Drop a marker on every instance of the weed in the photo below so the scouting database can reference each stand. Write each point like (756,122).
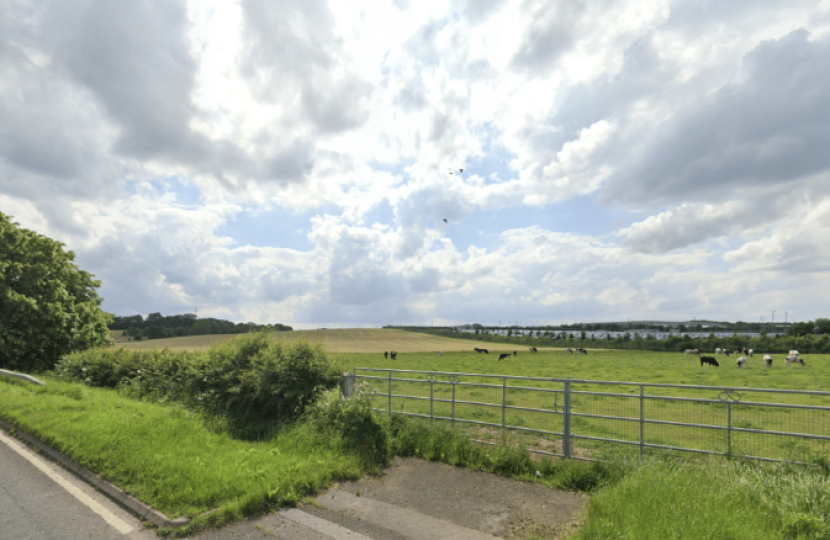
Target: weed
(266,530)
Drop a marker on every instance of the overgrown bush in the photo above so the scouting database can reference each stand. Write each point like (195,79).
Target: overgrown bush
(249,384)
(352,423)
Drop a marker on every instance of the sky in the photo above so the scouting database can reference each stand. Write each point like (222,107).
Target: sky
(301,162)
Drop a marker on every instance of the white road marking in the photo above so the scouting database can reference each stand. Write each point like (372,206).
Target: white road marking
(322,526)
(119,524)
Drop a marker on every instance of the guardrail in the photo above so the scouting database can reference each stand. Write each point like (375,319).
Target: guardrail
(577,418)
(23,376)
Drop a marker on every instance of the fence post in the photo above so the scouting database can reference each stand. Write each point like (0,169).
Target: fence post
(347,385)
(566,432)
(642,420)
(729,428)
(431,380)
(453,405)
(390,391)
(503,399)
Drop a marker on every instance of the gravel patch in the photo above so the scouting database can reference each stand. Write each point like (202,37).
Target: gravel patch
(478,500)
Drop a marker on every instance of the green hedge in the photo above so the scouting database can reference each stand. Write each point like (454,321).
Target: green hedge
(249,384)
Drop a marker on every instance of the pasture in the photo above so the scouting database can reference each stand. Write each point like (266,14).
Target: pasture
(611,365)
(614,415)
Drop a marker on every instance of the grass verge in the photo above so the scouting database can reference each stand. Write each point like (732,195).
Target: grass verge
(718,500)
(168,457)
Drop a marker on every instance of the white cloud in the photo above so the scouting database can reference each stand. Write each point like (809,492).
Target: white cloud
(703,128)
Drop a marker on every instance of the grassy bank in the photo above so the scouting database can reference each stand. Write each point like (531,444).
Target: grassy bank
(168,457)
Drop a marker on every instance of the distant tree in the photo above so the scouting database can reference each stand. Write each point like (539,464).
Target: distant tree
(48,306)
(822,326)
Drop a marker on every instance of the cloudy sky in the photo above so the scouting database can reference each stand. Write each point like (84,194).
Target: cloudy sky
(283,161)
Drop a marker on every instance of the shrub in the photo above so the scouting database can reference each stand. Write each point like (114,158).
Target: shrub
(352,423)
(248,385)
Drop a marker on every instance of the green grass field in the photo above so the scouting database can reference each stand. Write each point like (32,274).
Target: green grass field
(623,366)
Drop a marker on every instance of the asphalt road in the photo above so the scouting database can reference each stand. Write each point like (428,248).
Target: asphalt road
(35,506)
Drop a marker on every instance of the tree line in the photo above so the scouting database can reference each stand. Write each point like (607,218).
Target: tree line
(805,342)
(157,326)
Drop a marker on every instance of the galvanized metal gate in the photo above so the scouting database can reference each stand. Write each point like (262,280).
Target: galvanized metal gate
(580,418)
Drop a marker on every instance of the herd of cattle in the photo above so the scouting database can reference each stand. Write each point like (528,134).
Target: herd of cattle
(792,358)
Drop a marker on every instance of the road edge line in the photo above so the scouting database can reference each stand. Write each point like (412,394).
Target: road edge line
(115,493)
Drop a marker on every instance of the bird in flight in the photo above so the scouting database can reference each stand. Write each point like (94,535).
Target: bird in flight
(459,170)
(445,220)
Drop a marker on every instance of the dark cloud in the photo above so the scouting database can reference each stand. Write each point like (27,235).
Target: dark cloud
(411,98)
(135,58)
(357,275)
(425,281)
(772,127)
(550,32)
(282,283)
(35,134)
(421,47)
(291,55)
(476,11)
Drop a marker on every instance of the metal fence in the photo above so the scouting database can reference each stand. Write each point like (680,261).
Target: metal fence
(581,418)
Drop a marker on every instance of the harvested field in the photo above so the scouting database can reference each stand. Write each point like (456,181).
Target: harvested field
(350,340)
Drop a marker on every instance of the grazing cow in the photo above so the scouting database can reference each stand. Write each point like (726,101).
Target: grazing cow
(570,351)
(750,352)
(440,353)
(708,360)
(794,359)
(515,353)
(504,356)
(726,352)
(533,349)
(477,350)
(394,355)
(694,352)
(719,351)
(386,354)
(741,362)
(767,361)
(793,353)
(581,351)
(485,351)
(737,351)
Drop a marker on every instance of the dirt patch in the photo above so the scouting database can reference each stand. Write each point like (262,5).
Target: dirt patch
(474,499)
(485,435)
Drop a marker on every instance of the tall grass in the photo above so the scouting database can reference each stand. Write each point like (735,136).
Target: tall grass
(719,500)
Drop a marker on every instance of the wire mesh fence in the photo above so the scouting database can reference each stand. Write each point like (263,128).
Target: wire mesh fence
(585,419)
